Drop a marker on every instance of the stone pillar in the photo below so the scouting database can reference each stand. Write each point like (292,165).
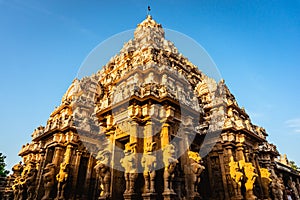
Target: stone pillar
(68,154)
(58,155)
(89,172)
(64,173)
(40,172)
(133,132)
(149,163)
(40,188)
(240,147)
(75,172)
(129,163)
(223,171)
(234,176)
(135,136)
(170,162)
(262,181)
(148,132)
(247,168)
(165,135)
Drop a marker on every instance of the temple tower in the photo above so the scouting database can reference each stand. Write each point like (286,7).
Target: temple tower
(149,125)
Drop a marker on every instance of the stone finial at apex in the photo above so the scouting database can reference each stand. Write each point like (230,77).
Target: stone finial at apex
(149,22)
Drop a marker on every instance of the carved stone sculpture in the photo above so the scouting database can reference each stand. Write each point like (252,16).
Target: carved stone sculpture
(291,184)
(237,177)
(149,164)
(102,168)
(30,182)
(266,180)
(16,189)
(250,174)
(129,162)
(277,187)
(149,81)
(24,184)
(62,178)
(17,169)
(197,169)
(170,163)
(49,180)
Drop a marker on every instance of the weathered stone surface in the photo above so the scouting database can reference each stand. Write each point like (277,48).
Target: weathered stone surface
(112,136)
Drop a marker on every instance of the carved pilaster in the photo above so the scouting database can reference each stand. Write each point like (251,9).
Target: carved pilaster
(40,171)
(75,171)
(165,135)
(88,174)
(134,136)
(148,133)
(63,176)
(58,155)
(240,147)
(230,185)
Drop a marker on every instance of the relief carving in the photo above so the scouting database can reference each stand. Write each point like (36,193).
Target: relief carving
(129,162)
(102,168)
(149,164)
(237,177)
(62,178)
(170,163)
(266,180)
(197,169)
(251,176)
(49,180)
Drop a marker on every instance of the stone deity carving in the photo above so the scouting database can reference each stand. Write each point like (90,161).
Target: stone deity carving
(251,176)
(17,170)
(102,168)
(197,169)
(16,189)
(62,178)
(170,163)
(237,176)
(266,180)
(129,162)
(24,184)
(291,184)
(49,180)
(30,182)
(149,164)
(150,78)
(277,188)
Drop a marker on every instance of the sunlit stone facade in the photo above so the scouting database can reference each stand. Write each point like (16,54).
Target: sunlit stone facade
(150,125)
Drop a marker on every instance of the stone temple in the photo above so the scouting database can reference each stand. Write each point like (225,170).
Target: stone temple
(150,125)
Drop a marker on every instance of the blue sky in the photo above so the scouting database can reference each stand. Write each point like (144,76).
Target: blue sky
(255,44)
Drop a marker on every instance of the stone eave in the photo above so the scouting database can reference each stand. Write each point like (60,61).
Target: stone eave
(286,168)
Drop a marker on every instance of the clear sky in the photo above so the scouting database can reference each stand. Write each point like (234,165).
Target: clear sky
(255,44)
